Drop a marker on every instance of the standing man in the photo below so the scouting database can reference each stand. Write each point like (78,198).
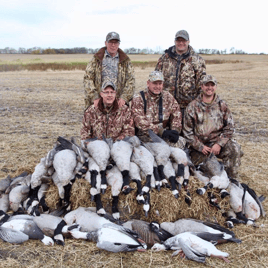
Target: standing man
(183,70)
(156,109)
(209,128)
(109,63)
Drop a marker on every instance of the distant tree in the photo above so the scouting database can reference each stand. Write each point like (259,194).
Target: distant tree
(49,51)
(36,52)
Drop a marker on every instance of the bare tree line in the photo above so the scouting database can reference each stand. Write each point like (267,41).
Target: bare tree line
(132,50)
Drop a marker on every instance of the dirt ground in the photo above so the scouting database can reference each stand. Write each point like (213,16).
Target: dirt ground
(37,107)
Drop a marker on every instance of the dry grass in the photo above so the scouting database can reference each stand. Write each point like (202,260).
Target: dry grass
(37,107)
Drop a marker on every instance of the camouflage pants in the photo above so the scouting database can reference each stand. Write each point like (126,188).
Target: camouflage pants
(230,154)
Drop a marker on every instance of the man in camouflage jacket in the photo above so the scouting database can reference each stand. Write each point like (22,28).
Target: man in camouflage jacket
(107,118)
(110,62)
(183,70)
(158,111)
(209,128)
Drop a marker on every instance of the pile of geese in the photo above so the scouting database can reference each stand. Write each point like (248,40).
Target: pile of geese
(106,163)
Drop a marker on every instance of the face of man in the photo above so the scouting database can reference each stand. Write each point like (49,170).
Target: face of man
(108,95)
(155,87)
(181,45)
(208,89)
(112,46)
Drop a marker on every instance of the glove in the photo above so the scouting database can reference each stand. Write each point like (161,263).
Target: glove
(171,135)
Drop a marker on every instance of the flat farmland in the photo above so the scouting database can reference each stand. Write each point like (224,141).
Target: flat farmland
(38,106)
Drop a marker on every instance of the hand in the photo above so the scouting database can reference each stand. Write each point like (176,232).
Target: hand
(206,150)
(171,135)
(96,102)
(216,148)
(121,103)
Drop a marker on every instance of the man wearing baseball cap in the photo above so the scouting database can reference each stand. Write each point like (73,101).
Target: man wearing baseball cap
(183,70)
(156,109)
(109,63)
(107,118)
(209,128)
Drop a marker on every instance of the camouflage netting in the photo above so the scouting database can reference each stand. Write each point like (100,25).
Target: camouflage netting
(164,206)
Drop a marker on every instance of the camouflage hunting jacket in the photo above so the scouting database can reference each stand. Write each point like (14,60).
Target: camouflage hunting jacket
(93,78)
(115,123)
(150,120)
(207,123)
(182,74)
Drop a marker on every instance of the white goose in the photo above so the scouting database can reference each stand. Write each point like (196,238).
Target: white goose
(193,247)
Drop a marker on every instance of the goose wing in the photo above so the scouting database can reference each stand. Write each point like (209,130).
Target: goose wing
(12,236)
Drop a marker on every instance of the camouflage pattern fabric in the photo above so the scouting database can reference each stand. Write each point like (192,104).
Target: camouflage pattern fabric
(110,67)
(183,73)
(150,120)
(207,124)
(115,123)
(125,83)
(230,154)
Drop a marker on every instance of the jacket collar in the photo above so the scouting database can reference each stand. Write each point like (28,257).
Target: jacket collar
(104,110)
(122,55)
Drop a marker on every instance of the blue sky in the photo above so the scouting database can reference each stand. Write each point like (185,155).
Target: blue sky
(140,23)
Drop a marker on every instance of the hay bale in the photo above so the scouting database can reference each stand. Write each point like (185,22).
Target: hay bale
(164,206)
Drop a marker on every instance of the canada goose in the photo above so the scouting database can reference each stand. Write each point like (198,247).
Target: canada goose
(194,247)
(17,195)
(134,173)
(121,152)
(214,232)
(160,150)
(214,170)
(4,183)
(4,202)
(244,202)
(28,227)
(147,231)
(12,236)
(87,219)
(99,150)
(170,175)
(112,237)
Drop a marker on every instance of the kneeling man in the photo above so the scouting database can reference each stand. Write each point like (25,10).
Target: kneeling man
(209,128)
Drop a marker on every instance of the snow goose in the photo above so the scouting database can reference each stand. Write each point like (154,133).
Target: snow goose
(212,232)
(194,247)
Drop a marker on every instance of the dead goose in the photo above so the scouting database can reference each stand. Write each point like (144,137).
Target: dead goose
(87,219)
(147,231)
(17,195)
(212,232)
(121,152)
(99,150)
(112,237)
(28,227)
(192,246)
(244,202)
(12,236)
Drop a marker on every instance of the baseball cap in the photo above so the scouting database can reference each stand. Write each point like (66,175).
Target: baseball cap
(209,78)
(112,35)
(108,83)
(156,76)
(183,34)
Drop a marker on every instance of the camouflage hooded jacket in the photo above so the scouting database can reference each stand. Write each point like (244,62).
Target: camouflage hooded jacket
(93,78)
(182,74)
(204,123)
(150,120)
(115,123)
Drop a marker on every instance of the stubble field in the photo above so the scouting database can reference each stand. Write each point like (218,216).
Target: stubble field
(37,107)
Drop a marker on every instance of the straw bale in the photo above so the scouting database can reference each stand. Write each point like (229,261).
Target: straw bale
(164,206)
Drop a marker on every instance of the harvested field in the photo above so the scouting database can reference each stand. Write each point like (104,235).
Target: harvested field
(36,107)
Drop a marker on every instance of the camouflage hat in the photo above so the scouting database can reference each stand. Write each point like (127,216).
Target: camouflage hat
(108,83)
(183,34)
(112,35)
(209,78)
(156,76)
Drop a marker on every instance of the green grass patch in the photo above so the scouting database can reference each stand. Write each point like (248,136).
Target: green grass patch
(68,66)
